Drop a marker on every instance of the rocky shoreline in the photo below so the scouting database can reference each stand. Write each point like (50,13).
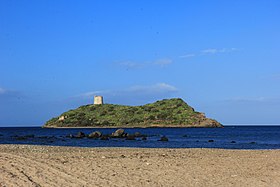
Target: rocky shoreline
(98,135)
(119,133)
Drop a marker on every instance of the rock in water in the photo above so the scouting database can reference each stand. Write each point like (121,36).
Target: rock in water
(137,134)
(80,135)
(164,139)
(95,134)
(118,133)
(130,137)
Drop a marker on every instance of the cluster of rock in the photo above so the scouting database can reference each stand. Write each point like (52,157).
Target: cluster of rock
(120,133)
(24,137)
(33,138)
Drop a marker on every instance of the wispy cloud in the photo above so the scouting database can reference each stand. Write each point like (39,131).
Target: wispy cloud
(135,93)
(131,65)
(156,88)
(257,100)
(93,93)
(162,62)
(136,89)
(247,99)
(187,55)
(215,51)
(209,51)
(139,65)
(5,93)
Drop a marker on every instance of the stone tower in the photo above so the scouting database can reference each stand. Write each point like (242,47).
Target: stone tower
(98,100)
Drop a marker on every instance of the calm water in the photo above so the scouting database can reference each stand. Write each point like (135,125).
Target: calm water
(245,137)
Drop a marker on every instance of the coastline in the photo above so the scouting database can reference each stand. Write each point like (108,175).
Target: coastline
(28,165)
(124,127)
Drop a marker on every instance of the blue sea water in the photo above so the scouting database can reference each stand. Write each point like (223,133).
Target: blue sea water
(229,137)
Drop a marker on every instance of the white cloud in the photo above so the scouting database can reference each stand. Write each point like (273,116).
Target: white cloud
(247,99)
(163,62)
(138,65)
(93,93)
(187,55)
(131,65)
(136,92)
(5,93)
(209,51)
(212,51)
(215,51)
(255,100)
(156,88)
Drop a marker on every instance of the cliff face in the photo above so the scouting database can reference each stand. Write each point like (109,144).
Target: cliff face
(164,113)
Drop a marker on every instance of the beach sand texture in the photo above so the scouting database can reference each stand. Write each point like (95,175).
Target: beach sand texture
(26,165)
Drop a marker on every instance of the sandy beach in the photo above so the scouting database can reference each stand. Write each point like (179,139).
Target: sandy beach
(26,165)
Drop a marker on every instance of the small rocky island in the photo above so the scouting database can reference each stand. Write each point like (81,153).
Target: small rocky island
(165,113)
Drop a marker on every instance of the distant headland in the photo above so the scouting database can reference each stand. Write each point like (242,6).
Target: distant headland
(164,113)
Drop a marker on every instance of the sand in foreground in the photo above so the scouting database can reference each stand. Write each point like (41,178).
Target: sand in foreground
(25,165)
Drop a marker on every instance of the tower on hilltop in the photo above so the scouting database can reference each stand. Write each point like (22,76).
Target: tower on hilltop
(98,100)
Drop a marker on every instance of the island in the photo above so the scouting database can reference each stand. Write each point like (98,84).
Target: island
(164,113)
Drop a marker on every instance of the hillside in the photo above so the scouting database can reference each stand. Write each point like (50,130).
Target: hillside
(164,113)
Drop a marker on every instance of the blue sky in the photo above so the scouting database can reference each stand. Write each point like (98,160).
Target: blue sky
(221,57)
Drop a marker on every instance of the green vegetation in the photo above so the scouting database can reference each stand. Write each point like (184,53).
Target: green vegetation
(164,113)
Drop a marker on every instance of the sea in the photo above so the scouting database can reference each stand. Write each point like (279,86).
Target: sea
(229,137)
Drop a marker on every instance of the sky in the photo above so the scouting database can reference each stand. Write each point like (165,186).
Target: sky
(221,57)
